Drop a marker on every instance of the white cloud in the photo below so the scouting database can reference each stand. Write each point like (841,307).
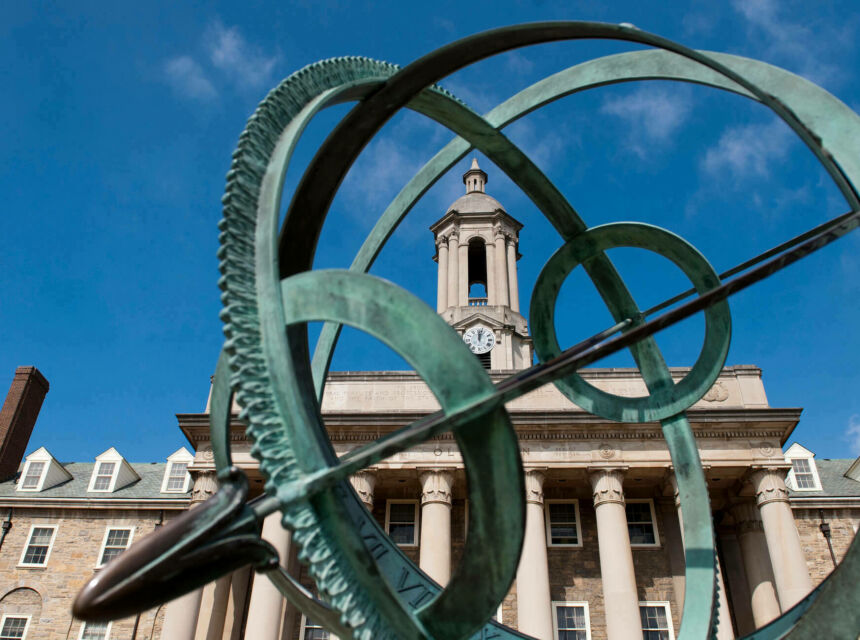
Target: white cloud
(748,150)
(543,146)
(380,172)
(244,64)
(518,63)
(188,78)
(852,433)
(653,114)
(796,44)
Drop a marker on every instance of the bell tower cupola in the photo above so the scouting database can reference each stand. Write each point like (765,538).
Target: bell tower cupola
(477,245)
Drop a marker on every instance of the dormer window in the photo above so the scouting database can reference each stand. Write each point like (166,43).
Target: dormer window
(176,476)
(804,474)
(804,478)
(41,472)
(33,476)
(103,477)
(111,473)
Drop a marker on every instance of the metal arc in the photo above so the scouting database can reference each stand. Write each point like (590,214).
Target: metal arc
(664,402)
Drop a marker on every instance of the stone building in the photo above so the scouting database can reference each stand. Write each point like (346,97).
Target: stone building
(62,522)
(602,511)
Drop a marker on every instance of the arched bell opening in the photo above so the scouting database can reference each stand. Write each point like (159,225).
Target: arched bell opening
(477,273)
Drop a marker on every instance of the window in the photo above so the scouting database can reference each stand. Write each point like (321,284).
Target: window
(312,631)
(33,476)
(103,476)
(570,621)
(641,524)
(656,621)
(95,631)
(562,523)
(14,627)
(116,541)
(804,475)
(177,475)
(38,546)
(401,521)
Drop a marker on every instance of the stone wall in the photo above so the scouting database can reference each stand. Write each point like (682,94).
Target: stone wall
(843,524)
(46,593)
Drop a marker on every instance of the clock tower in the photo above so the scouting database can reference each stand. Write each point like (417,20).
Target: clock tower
(478,295)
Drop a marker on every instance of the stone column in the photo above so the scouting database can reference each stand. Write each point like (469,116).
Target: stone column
(180,617)
(236,604)
(453,270)
(442,283)
(364,482)
(534,606)
(213,604)
(616,558)
(266,609)
(435,555)
(736,577)
(765,606)
(512,275)
(501,269)
(724,624)
(492,295)
(783,542)
(463,277)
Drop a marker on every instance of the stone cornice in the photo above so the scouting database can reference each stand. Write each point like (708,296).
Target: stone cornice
(127,504)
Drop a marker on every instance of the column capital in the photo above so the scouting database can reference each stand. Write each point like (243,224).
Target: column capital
(364,482)
(441,240)
(205,485)
(534,479)
(670,486)
(453,236)
(436,486)
(606,484)
(769,484)
(747,517)
(499,234)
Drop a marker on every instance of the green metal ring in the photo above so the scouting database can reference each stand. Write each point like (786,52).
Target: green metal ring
(662,402)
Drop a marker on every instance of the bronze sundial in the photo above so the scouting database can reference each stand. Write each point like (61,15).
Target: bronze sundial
(369,589)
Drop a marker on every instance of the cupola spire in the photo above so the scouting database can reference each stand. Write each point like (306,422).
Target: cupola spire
(475,179)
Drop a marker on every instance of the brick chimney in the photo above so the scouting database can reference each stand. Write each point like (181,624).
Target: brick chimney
(18,417)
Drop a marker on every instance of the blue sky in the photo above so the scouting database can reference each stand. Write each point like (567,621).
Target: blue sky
(118,121)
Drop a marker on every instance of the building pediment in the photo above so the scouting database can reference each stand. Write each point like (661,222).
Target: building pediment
(478,318)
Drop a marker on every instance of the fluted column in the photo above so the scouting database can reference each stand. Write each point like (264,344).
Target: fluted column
(435,554)
(364,482)
(783,542)
(180,617)
(492,295)
(236,604)
(453,269)
(501,269)
(266,609)
(442,272)
(534,606)
(763,601)
(616,558)
(724,616)
(513,286)
(463,277)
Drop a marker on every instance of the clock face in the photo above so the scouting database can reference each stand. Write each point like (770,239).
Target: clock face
(480,339)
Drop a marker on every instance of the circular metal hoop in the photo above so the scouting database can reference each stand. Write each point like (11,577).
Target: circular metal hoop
(664,401)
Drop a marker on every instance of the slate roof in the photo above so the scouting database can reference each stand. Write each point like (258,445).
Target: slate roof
(149,486)
(833,480)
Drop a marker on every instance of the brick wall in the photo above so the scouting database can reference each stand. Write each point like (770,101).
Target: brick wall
(46,593)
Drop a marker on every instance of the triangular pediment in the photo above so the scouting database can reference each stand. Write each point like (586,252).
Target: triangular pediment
(798,451)
(477,318)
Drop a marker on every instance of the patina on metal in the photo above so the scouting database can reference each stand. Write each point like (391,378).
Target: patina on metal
(368,588)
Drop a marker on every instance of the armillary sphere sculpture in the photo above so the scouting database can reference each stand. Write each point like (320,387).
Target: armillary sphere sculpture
(368,588)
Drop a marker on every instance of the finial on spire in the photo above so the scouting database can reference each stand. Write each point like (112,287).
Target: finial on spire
(475,178)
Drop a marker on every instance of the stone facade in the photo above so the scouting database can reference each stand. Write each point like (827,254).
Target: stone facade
(46,593)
